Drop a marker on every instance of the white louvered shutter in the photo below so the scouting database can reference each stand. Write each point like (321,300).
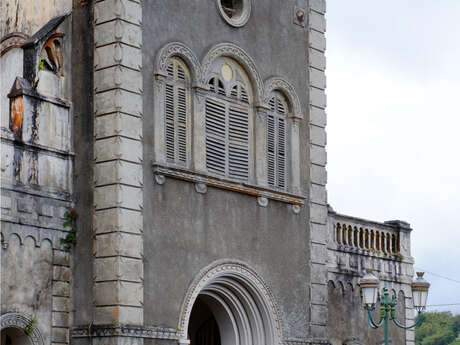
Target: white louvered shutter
(227,131)
(238,139)
(216,136)
(170,123)
(176,114)
(277,144)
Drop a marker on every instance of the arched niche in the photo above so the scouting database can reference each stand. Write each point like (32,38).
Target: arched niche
(231,295)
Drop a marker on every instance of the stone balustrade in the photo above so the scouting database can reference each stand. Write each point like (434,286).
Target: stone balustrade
(358,235)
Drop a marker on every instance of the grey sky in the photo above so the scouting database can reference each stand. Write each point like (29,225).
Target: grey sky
(394,124)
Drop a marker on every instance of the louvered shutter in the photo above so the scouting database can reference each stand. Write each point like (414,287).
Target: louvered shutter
(181,133)
(281,153)
(170,123)
(216,136)
(277,144)
(271,147)
(176,114)
(238,150)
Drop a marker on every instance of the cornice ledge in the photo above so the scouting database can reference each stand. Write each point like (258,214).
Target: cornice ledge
(239,187)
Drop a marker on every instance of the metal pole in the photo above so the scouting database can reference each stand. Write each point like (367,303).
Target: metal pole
(387,335)
(387,314)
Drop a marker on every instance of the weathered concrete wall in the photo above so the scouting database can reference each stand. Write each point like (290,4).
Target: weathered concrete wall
(28,16)
(355,245)
(36,183)
(348,320)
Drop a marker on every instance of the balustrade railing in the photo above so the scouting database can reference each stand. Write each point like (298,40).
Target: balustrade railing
(378,238)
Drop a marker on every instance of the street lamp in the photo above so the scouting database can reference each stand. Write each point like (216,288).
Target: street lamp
(370,286)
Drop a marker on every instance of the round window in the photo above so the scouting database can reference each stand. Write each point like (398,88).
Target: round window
(235,12)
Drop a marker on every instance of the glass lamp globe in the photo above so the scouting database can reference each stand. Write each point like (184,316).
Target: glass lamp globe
(370,287)
(420,292)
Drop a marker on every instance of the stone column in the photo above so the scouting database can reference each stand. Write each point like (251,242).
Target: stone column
(294,149)
(317,194)
(199,130)
(260,144)
(159,120)
(118,173)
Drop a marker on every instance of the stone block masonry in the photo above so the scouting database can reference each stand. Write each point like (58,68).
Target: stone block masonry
(118,156)
(318,177)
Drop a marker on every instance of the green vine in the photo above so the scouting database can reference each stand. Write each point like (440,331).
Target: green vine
(30,327)
(41,64)
(70,217)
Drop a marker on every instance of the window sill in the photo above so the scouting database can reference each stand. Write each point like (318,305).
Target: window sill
(239,187)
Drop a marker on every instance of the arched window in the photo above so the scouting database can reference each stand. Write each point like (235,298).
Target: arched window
(177,112)
(227,111)
(277,141)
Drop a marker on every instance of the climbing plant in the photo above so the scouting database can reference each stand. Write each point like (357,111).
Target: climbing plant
(70,220)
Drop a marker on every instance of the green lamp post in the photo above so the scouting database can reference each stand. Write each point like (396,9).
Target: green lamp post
(370,287)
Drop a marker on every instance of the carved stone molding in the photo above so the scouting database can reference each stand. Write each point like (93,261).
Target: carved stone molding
(125,331)
(11,41)
(211,181)
(182,51)
(282,85)
(230,269)
(233,51)
(17,320)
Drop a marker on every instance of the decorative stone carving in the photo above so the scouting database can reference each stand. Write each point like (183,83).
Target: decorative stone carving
(160,179)
(282,85)
(182,51)
(295,209)
(201,188)
(262,201)
(126,331)
(16,320)
(233,51)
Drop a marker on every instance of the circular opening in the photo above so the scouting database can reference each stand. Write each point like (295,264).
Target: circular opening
(235,12)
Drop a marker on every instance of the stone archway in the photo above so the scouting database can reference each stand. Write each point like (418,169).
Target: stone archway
(12,326)
(229,304)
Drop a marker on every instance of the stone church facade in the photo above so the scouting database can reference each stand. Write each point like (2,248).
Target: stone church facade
(163,179)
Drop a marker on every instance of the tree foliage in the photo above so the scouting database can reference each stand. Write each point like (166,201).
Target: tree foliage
(438,328)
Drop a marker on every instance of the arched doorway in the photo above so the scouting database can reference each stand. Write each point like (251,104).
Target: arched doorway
(203,328)
(13,328)
(14,336)
(229,304)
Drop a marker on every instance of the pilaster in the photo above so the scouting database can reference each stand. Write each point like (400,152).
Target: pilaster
(317,156)
(118,173)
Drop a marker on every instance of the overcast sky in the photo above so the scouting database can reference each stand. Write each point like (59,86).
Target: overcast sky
(393,70)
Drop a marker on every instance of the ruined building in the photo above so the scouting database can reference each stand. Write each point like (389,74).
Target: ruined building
(163,179)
